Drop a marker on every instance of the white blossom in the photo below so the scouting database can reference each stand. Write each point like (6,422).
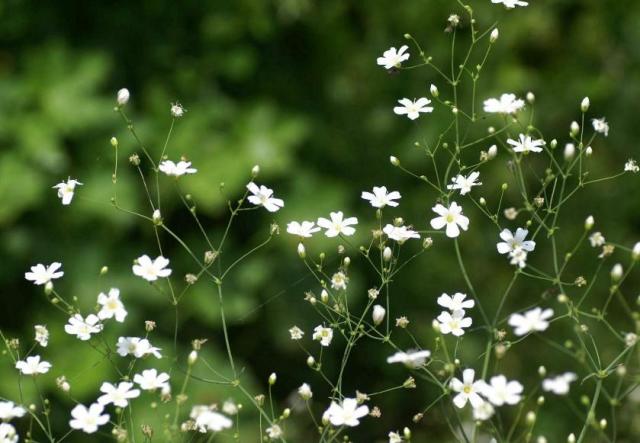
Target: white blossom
(42,335)
(41,275)
(399,233)
(380,198)
(411,359)
(631,166)
(206,419)
(601,126)
(82,328)
(338,224)
(413,108)
(88,419)
(464,184)
(305,391)
(263,196)
(9,411)
(513,241)
(346,413)
(450,217)
(111,306)
(453,323)
(526,144)
(176,169)
(123,96)
(151,270)
(118,395)
(33,366)
(323,335)
(506,104)
(559,384)
(533,320)
(455,303)
(339,281)
(296,333)
(499,391)
(596,239)
(136,346)
(66,190)
(510,4)
(392,58)
(467,389)
(8,433)
(304,230)
(151,380)
(177,110)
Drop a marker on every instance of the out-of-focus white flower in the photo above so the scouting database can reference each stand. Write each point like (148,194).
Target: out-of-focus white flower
(601,126)
(33,366)
(66,190)
(229,407)
(136,346)
(206,419)
(151,270)
(305,391)
(323,335)
(411,359)
(526,144)
(9,411)
(506,104)
(111,305)
(399,233)
(394,437)
(510,4)
(296,333)
(177,110)
(533,320)
(176,169)
(274,431)
(151,380)
(118,395)
(381,198)
(123,97)
(467,389)
(82,328)
(88,419)
(596,239)
(455,303)
(8,433)
(304,230)
(413,108)
(499,391)
(263,196)
(450,217)
(338,225)
(392,57)
(483,412)
(42,335)
(464,184)
(41,275)
(339,281)
(560,384)
(453,323)
(346,413)
(631,166)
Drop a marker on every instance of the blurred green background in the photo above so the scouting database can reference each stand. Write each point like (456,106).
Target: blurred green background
(291,85)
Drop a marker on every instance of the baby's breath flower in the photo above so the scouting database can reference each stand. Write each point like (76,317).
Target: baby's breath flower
(450,217)
(380,198)
(559,385)
(122,97)
(66,190)
(176,169)
(42,335)
(263,196)
(177,110)
(323,335)
(506,104)
(378,314)
(468,390)
(33,366)
(454,322)
(305,391)
(339,281)
(41,274)
(596,239)
(88,419)
(346,413)
(151,270)
(413,108)
(526,144)
(601,126)
(631,166)
(464,184)
(338,225)
(402,322)
(393,58)
(533,320)
(411,359)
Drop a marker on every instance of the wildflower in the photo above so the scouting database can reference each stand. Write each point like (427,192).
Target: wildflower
(394,437)
(207,419)
(8,433)
(42,335)
(66,190)
(82,328)
(560,384)
(138,347)
(151,270)
(402,322)
(296,333)
(176,169)
(123,97)
(450,217)
(393,58)
(411,359)
(464,184)
(499,391)
(533,320)
(230,408)
(455,303)
(118,395)
(510,213)
(177,110)
(493,37)
(338,225)
(601,126)
(631,166)
(467,389)
(510,4)
(347,413)
(515,241)
(9,411)
(616,272)
(596,239)
(339,281)
(518,257)
(506,104)
(304,230)
(584,104)
(41,275)
(399,233)
(88,419)
(453,323)
(263,196)
(274,431)
(630,339)
(150,380)
(378,314)
(412,109)
(381,198)
(323,335)
(111,306)
(305,391)
(33,366)
(526,144)
(483,412)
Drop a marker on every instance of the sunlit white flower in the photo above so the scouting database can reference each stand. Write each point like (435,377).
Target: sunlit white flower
(305,229)
(88,419)
(381,198)
(601,126)
(263,196)
(206,419)
(151,380)
(82,328)
(305,391)
(42,335)
(450,217)
(464,184)
(66,190)
(338,224)
(323,335)
(274,431)
(136,346)
(151,270)
(506,104)
(33,366)
(483,412)
(8,433)
(118,395)
(399,233)
(499,391)
(467,389)
(411,359)
(413,108)
(176,169)
(177,110)
(392,58)
(526,144)
(346,413)
(533,320)
(455,303)
(41,275)
(512,241)
(111,306)
(9,411)
(453,322)
(631,166)
(339,281)
(596,239)
(510,4)
(559,384)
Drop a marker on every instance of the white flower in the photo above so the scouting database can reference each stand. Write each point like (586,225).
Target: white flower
(229,407)
(305,391)
(41,275)
(274,431)
(510,4)
(631,166)
(412,109)
(323,335)
(526,144)
(176,169)
(467,389)
(88,420)
(177,110)
(559,384)
(381,198)
(506,104)
(150,380)
(305,229)
(118,395)
(530,321)
(484,412)
(394,437)
(450,217)
(263,196)
(82,328)
(499,391)
(42,335)
(339,281)
(346,413)
(453,323)
(296,333)
(338,225)
(392,58)
(411,359)
(111,306)
(516,246)
(463,183)
(207,419)
(66,190)
(8,433)
(455,303)
(123,96)
(136,346)
(151,270)
(400,233)
(33,366)
(596,239)
(518,257)
(9,411)
(601,126)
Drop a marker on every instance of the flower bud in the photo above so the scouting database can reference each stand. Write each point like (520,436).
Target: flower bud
(434,90)
(569,151)
(305,391)
(123,97)
(378,314)
(311,361)
(584,105)
(588,151)
(156,217)
(531,417)
(542,371)
(394,161)
(603,423)
(616,272)
(574,128)
(193,357)
(114,142)
(531,98)
(635,252)
(588,223)
(324,296)
(302,252)
(571,438)
(407,433)
(104,270)
(387,254)
(493,37)
(492,151)
(272,378)
(255,171)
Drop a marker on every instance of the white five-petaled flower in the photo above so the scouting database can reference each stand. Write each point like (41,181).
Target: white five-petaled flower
(136,346)
(82,328)
(9,411)
(464,184)
(338,225)
(450,217)
(274,432)
(455,303)
(176,169)
(392,57)
(323,335)
(411,359)
(263,196)
(151,270)
(296,333)
(66,190)
(526,144)
(483,412)
(533,320)
(381,198)
(518,257)
(559,384)
(413,108)
(516,246)
(510,4)
(467,389)
(118,395)
(399,233)
(151,380)
(206,419)
(347,413)
(8,433)
(596,239)
(506,104)
(42,335)
(453,322)
(177,110)
(499,391)
(601,126)
(33,366)
(41,275)
(339,281)
(111,305)
(88,419)
(303,230)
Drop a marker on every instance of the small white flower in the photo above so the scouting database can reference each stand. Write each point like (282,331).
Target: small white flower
(42,335)
(631,166)
(399,233)
(66,190)
(88,420)
(347,413)
(499,391)
(8,433)
(513,241)
(411,359)
(392,58)
(596,239)
(229,407)
(123,96)
(136,346)
(483,412)
(413,108)
(560,384)
(450,217)
(533,320)
(296,333)
(453,323)
(381,198)
(464,184)
(41,275)
(304,230)
(518,257)
(467,389)
(323,335)
(9,411)
(305,391)
(338,225)
(33,366)
(506,104)
(118,395)
(176,169)
(82,328)
(339,281)
(177,110)
(510,4)
(111,306)
(207,419)
(151,380)
(455,303)
(526,144)
(274,431)
(394,437)
(263,196)
(601,126)
(151,270)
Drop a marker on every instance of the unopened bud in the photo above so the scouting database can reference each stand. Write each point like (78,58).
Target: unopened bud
(387,254)
(584,105)
(324,296)
(123,97)
(434,90)
(193,357)
(492,151)
(302,252)
(616,272)
(531,98)
(494,35)
(114,142)
(378,314)
(394,161)
(272,378)
(635,252)
(255,171)
(588,223)
(574,128)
